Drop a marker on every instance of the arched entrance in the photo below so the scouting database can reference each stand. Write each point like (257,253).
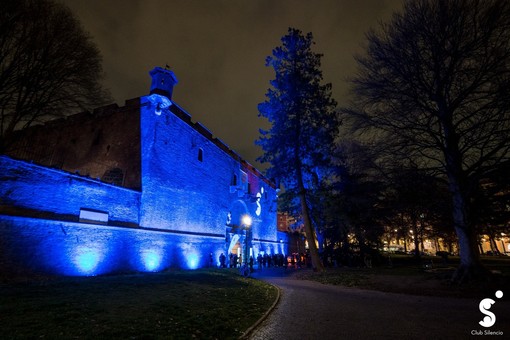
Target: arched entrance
(235,231)
(234,244)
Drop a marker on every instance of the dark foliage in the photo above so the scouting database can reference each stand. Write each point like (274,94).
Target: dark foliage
(49,67)
(434,88)
(303,124)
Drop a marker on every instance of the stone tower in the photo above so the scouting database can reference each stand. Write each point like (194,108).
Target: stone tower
(163,82)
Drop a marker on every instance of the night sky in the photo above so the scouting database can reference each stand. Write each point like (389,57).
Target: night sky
(217,50)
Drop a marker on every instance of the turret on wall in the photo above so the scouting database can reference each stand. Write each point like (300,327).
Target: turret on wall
(163,82)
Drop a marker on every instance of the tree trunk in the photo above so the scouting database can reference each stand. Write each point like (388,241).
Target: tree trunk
(322,242)
(307,221)
(416,239)
(470,264)
(492,242)
(480,247)
(310,234)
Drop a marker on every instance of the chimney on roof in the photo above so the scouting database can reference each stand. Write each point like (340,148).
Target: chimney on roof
(163,81)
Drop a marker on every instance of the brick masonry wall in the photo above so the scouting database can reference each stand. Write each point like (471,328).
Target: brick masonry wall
(90,143)
(31,245)
(181,192)
(46,192)
(187,208)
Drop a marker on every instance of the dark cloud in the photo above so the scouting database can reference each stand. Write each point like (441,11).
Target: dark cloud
(217,50)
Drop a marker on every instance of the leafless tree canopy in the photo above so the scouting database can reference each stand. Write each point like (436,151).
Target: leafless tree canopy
(48,65)
(435,84)
(438,78)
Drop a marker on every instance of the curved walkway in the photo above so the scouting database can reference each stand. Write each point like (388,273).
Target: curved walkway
(311,310)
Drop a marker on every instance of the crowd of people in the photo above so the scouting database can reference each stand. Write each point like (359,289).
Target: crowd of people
(295,260)
(264,261)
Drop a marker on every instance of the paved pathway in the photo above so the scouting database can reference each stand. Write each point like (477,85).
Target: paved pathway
(310,310)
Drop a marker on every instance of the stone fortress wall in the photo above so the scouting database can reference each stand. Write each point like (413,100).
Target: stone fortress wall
(174,196)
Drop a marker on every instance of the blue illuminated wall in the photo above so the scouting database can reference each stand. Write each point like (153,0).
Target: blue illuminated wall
(39,189)
(191,181)
(180,192)
(194,192)
(78,249)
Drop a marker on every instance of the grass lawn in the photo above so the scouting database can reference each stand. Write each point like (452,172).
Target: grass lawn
(429,277)
(205,304)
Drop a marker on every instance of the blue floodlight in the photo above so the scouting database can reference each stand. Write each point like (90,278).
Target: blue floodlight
(86,260)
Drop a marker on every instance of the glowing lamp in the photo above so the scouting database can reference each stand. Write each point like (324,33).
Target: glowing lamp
(246,219)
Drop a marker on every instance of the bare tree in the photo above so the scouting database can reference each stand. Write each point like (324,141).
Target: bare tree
(434,88)
(49,66)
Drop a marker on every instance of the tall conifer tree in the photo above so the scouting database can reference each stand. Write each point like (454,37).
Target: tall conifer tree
(303,121)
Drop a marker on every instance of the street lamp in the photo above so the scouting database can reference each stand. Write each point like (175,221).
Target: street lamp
(246,222)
